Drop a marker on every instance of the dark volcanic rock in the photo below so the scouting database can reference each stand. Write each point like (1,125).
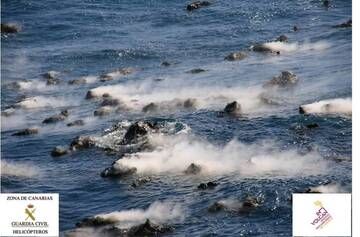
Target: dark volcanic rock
(193,169)
(94,222)
(140,181)
(196,70)
(312,125)
(326,3)
(233,108)
(56,118)
(9,28)
(82,142)
(78,81)
(345,24)
(59,151)
(285,79)
(262,48)
(217,206)
(117,172)
(116,73)
(282,38)
(148,229)
(235,56)
(52,81)
(197,5)
(78,122)
(249,204)
(103,111)
(137,130)
(91,95)
(165,64)
(190,103)
(152,107)
(25,132)
(208,185)
(51,75)
(110,102)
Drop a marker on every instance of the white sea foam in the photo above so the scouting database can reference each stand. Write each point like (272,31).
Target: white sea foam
(158,212)
(331,106)
(174,154)
(17,169)
(293,47)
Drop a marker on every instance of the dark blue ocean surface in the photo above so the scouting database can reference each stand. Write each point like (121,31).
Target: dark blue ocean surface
(267,152)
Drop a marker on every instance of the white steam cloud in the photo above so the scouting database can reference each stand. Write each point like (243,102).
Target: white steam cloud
(17,169)
(42,101)
(332,106)
(294,47)
(175,154)
(136,96)
(158,212)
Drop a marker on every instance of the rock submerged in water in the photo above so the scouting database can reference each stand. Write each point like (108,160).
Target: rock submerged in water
(51,77)
(262,48)
(197,5)
(285,79)
(117,171)
(151,107)
(196,71)
(190,103)
(78,122)
(282,38)
(112,75)
(26,132)
(312,125)
(148,229)
(91,95)
(165,64)
(236,56)
(249,204)
(78,81)
(56,118)
(9,28)
(233,108)
(94,222)
(193,169)
(108,101)
(108,227)
(345,24)
(103,111)
(140,181)
(82,142)
(208,185)
(59,151)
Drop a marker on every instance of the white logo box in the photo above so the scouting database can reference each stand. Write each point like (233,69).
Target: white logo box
(30,214)
(321,214)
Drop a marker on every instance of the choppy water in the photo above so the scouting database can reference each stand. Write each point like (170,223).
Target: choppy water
(89,38)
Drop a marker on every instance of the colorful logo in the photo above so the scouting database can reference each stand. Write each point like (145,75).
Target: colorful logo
(323,217)
(29,211)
